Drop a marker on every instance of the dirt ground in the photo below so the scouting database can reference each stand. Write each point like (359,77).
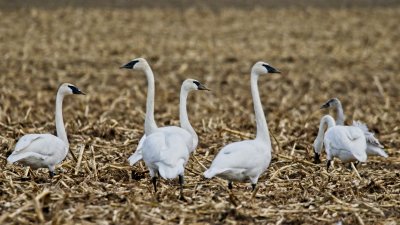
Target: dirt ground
(349,53)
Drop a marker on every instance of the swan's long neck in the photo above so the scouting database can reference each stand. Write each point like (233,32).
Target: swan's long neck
(339,114)
(183,116)
(330,122)
(149,123)
(61,133)
(262,127)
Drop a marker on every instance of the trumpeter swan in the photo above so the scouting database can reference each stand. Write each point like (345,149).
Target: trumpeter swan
(187,86)
(344,142)
(245,160)
(45,150)
(374,148)
(164,150)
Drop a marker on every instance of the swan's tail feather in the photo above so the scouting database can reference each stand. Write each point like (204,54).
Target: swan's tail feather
(368,135)
(135,157)
(373,150)
(361,125)
(168,172)
(211,172)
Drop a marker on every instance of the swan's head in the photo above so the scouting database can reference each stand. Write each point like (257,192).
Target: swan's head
(333,102)
(69,89)
(193,85)
(263,68)
(136,64)
(318,144)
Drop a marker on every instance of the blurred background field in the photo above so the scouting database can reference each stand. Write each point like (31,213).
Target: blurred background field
(344,49)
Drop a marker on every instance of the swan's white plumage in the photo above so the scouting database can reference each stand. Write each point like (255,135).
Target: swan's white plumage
(371,139)
(165,150)
(374,148)
(240,161)
(344,142)
(138,154)
(39,151)
(246,160)
(45,150)
(166,153)
(191,141)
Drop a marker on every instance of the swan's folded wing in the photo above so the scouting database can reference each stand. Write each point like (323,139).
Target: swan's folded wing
(357,143)
(353,133)
(238,155)
(152,147)
(26,140)
(348,138)
(16,157)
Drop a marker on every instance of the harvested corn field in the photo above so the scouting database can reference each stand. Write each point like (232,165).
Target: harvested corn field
(323,52)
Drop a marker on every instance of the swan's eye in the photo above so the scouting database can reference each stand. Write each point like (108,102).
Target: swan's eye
(196,83)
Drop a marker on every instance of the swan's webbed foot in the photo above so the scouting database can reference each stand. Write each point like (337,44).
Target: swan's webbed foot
(253,187)
(230,186)
(51,174)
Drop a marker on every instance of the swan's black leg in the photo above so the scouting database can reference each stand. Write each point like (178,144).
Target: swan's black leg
(181,181)
(253,187)
(51,173)
(328,163)
(356,164)
(316,158)
(230,186)
(154,181)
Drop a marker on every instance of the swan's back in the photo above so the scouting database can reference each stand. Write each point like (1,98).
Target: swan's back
(347,139)
(249,158)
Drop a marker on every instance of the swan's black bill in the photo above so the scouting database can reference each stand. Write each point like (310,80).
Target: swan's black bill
(129,65)
(200,86)
(316,158)
(271,69)
(325,105)
(329,103)
(76,91)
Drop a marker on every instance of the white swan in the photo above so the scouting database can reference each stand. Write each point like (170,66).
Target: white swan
(187,86)
(374,148)
(344,142)
(45,150)
(164,150)
(246,160)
